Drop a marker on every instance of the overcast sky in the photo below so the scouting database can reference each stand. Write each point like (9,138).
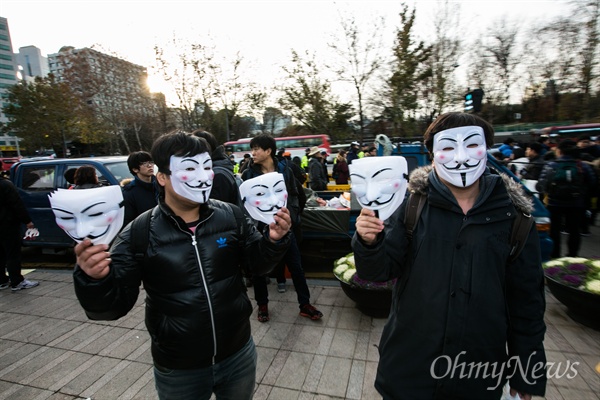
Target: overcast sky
(263,31)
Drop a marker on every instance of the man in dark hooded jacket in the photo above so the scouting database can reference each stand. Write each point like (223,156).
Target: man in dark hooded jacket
(141,193)
(464,319)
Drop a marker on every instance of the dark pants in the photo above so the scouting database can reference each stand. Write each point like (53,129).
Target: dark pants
(293,261)
(231,379)
(572,217)
(10,253)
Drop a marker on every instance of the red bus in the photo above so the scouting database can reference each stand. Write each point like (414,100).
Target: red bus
(296,145)
(558,133)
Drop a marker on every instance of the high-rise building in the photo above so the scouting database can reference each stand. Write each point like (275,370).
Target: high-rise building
(107,83)
(31,63)
(8,66)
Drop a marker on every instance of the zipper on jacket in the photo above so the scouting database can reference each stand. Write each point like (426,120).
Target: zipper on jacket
(208,300)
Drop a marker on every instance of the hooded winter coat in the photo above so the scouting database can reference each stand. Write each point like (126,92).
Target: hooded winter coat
(459,309)
(197,309)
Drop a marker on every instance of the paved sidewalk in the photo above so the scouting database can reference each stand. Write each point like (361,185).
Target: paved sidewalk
(49,350)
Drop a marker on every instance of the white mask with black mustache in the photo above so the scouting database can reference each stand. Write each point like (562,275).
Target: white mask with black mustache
(264,195)
(95,213)
(460,155)
(379,183)
(192,176)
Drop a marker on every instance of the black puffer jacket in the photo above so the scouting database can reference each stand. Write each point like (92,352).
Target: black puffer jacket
(457,293)
(197,310)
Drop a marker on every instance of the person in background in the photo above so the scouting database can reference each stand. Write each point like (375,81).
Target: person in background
(12,214)
(353,152)
(236,166)
(340,169)
(507,147)
(197,309)
(317,178)
(304,161)
(518,161)
(142,192)
(371,152)
(265,161)
(245,163)
(459,298)
(533,169)
(299,173)
(544,141)
(298,162)
(69,176)
(364,149)
(85,177)
(589,150)
(566,182)
(323,160)
(224,185)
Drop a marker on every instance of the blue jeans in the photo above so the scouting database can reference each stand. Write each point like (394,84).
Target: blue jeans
(231,379)
(293,260)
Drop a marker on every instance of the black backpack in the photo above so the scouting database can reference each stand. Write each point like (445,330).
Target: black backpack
(233,179)
(519,233)
(566,182)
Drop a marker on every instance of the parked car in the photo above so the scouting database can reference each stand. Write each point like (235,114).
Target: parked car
(35,179)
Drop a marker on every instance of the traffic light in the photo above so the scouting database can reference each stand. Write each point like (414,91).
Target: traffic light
(473,100)
(469,102)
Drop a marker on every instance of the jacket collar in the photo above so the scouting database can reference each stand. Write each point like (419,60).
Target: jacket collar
(419,181)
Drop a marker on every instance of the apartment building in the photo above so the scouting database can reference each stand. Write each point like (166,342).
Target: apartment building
(107,83)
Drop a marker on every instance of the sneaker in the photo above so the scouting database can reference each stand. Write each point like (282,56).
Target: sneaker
(25,284)
(311,312)
(263,313)
(4,285)
(281,287)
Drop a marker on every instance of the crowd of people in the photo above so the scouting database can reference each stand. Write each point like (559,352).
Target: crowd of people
(202,252)
(566,176)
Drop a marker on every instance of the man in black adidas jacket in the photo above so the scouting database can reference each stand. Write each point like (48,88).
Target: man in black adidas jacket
(197,310)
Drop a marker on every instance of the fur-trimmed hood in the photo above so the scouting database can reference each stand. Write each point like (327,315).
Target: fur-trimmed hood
(418,181)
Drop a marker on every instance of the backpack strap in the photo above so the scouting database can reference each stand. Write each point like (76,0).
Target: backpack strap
(240,218)
(416,202)
(520,230)
(229,174)
(140,229)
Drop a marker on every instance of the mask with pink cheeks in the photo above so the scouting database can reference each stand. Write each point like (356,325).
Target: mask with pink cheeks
(95,213)
(379,183)
(460,155)
(192,176)
(264,195)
